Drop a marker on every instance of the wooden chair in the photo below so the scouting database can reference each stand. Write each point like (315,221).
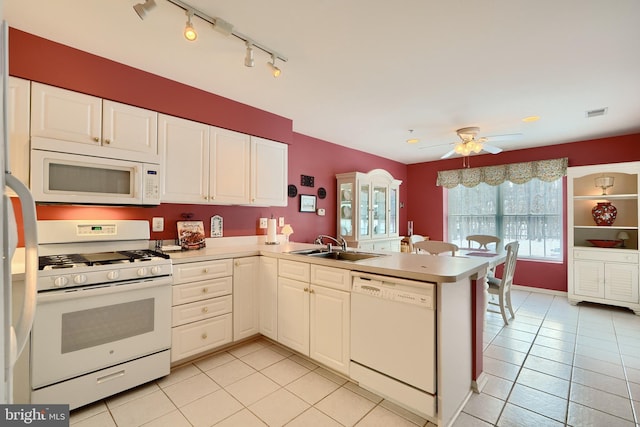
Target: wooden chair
(502,287)
(413,240)
(435,247)
(483,240)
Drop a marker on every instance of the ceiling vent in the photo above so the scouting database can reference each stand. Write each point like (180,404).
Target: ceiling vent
(596,113)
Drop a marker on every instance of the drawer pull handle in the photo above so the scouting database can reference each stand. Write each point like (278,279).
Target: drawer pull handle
(205,290)
(205,309)
(204,336)
(206,270)
(110,377)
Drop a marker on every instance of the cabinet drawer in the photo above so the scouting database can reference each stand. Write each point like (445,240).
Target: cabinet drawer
(183,273)
(607,256)
(192,312)
(193,338)
(197,291)
(293,270)
(330,277)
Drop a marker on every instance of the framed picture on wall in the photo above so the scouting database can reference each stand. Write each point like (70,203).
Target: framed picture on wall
(307,203)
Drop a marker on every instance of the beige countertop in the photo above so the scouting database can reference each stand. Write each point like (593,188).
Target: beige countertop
(420,267)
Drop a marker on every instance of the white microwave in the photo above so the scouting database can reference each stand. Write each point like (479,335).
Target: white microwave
(81,179)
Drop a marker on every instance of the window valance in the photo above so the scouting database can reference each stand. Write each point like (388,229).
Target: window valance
(518,173)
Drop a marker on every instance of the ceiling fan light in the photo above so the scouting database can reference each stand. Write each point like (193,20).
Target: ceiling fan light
(459,148)
(477,148)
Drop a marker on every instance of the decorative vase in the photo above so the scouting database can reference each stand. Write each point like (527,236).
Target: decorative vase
(604,213)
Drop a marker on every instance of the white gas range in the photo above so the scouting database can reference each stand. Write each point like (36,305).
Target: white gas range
(103,314)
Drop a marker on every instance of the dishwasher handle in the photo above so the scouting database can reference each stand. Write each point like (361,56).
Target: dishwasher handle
(402,291)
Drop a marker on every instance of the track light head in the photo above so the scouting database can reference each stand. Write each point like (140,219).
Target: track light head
(248,58)
(190,32)
(143,8)
(272,66)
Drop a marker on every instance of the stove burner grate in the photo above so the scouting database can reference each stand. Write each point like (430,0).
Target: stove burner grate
(101,258)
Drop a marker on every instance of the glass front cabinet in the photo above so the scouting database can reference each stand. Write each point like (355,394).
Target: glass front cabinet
(602,234)
(368,205)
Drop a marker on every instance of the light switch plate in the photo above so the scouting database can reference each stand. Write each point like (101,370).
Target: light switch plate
(157,224)
(281,221)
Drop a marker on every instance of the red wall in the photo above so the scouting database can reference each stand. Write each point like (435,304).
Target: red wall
(38,59)
(41,60)
(425,199)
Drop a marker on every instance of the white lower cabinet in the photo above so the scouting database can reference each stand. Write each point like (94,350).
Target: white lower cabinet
(268,297)
(606,277)
(245,297)
(201,307)
(314,312)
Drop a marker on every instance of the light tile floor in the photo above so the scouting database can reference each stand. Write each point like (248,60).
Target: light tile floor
(555,364)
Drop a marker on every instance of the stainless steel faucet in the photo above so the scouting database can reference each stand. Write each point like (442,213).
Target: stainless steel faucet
(339,241)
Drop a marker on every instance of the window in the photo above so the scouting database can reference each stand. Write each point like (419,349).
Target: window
(530,213)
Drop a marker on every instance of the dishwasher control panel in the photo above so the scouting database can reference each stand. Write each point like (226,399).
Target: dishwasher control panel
(398,290)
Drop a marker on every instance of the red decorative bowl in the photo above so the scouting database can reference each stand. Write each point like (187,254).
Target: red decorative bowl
(604,243)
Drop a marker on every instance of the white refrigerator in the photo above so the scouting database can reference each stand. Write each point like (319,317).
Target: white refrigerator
(16,326)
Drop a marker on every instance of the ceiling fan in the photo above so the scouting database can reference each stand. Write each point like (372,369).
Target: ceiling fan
(470,144)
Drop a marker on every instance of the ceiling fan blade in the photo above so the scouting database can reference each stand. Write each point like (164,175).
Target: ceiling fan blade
(491,149)
(504,137)
(449,154)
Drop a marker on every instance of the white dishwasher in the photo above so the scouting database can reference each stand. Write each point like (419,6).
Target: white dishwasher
(393,339)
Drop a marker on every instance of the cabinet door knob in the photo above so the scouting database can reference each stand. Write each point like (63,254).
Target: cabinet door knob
(311,291)
(204,336)
(107,141)
(205,309)
(306,289)
(205,270)
(96,139)
(205,290)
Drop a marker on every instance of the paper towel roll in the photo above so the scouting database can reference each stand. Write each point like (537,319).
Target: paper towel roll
(271,230)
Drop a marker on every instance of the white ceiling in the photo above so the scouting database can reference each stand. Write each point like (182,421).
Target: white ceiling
(361,73)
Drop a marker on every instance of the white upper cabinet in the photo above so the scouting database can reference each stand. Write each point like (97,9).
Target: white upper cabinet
(230,166)
(184,147)
(206,164)
(129,128)
(269,161)
(18,112)
(64,120)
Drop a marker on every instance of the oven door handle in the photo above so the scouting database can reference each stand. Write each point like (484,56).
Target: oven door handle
(88,292)
(20,333)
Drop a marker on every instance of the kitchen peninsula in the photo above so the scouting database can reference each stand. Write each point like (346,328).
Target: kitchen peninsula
(271,286)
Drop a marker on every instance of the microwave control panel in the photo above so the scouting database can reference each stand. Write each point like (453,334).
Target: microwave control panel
(151,185)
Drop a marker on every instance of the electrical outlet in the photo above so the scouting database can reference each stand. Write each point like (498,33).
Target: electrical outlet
(281,221)
(321,212)
(263,222)
(157,224)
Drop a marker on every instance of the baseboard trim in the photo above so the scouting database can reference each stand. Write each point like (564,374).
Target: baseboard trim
(539,290)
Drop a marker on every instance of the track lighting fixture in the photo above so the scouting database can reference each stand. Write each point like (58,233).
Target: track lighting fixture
(220,25)
(142,8)
(272,65)
(190,32)
(248,58)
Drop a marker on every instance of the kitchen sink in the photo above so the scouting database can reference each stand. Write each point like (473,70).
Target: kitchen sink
(337,255)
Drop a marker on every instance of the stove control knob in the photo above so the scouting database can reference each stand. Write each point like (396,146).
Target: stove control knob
(113,275)
(79,279)
(155,270)
(60,281)
(142,271)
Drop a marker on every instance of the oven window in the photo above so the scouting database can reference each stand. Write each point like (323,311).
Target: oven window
(102,325)
(64,177)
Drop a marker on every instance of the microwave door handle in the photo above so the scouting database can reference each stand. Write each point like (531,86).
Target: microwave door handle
(23,326)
